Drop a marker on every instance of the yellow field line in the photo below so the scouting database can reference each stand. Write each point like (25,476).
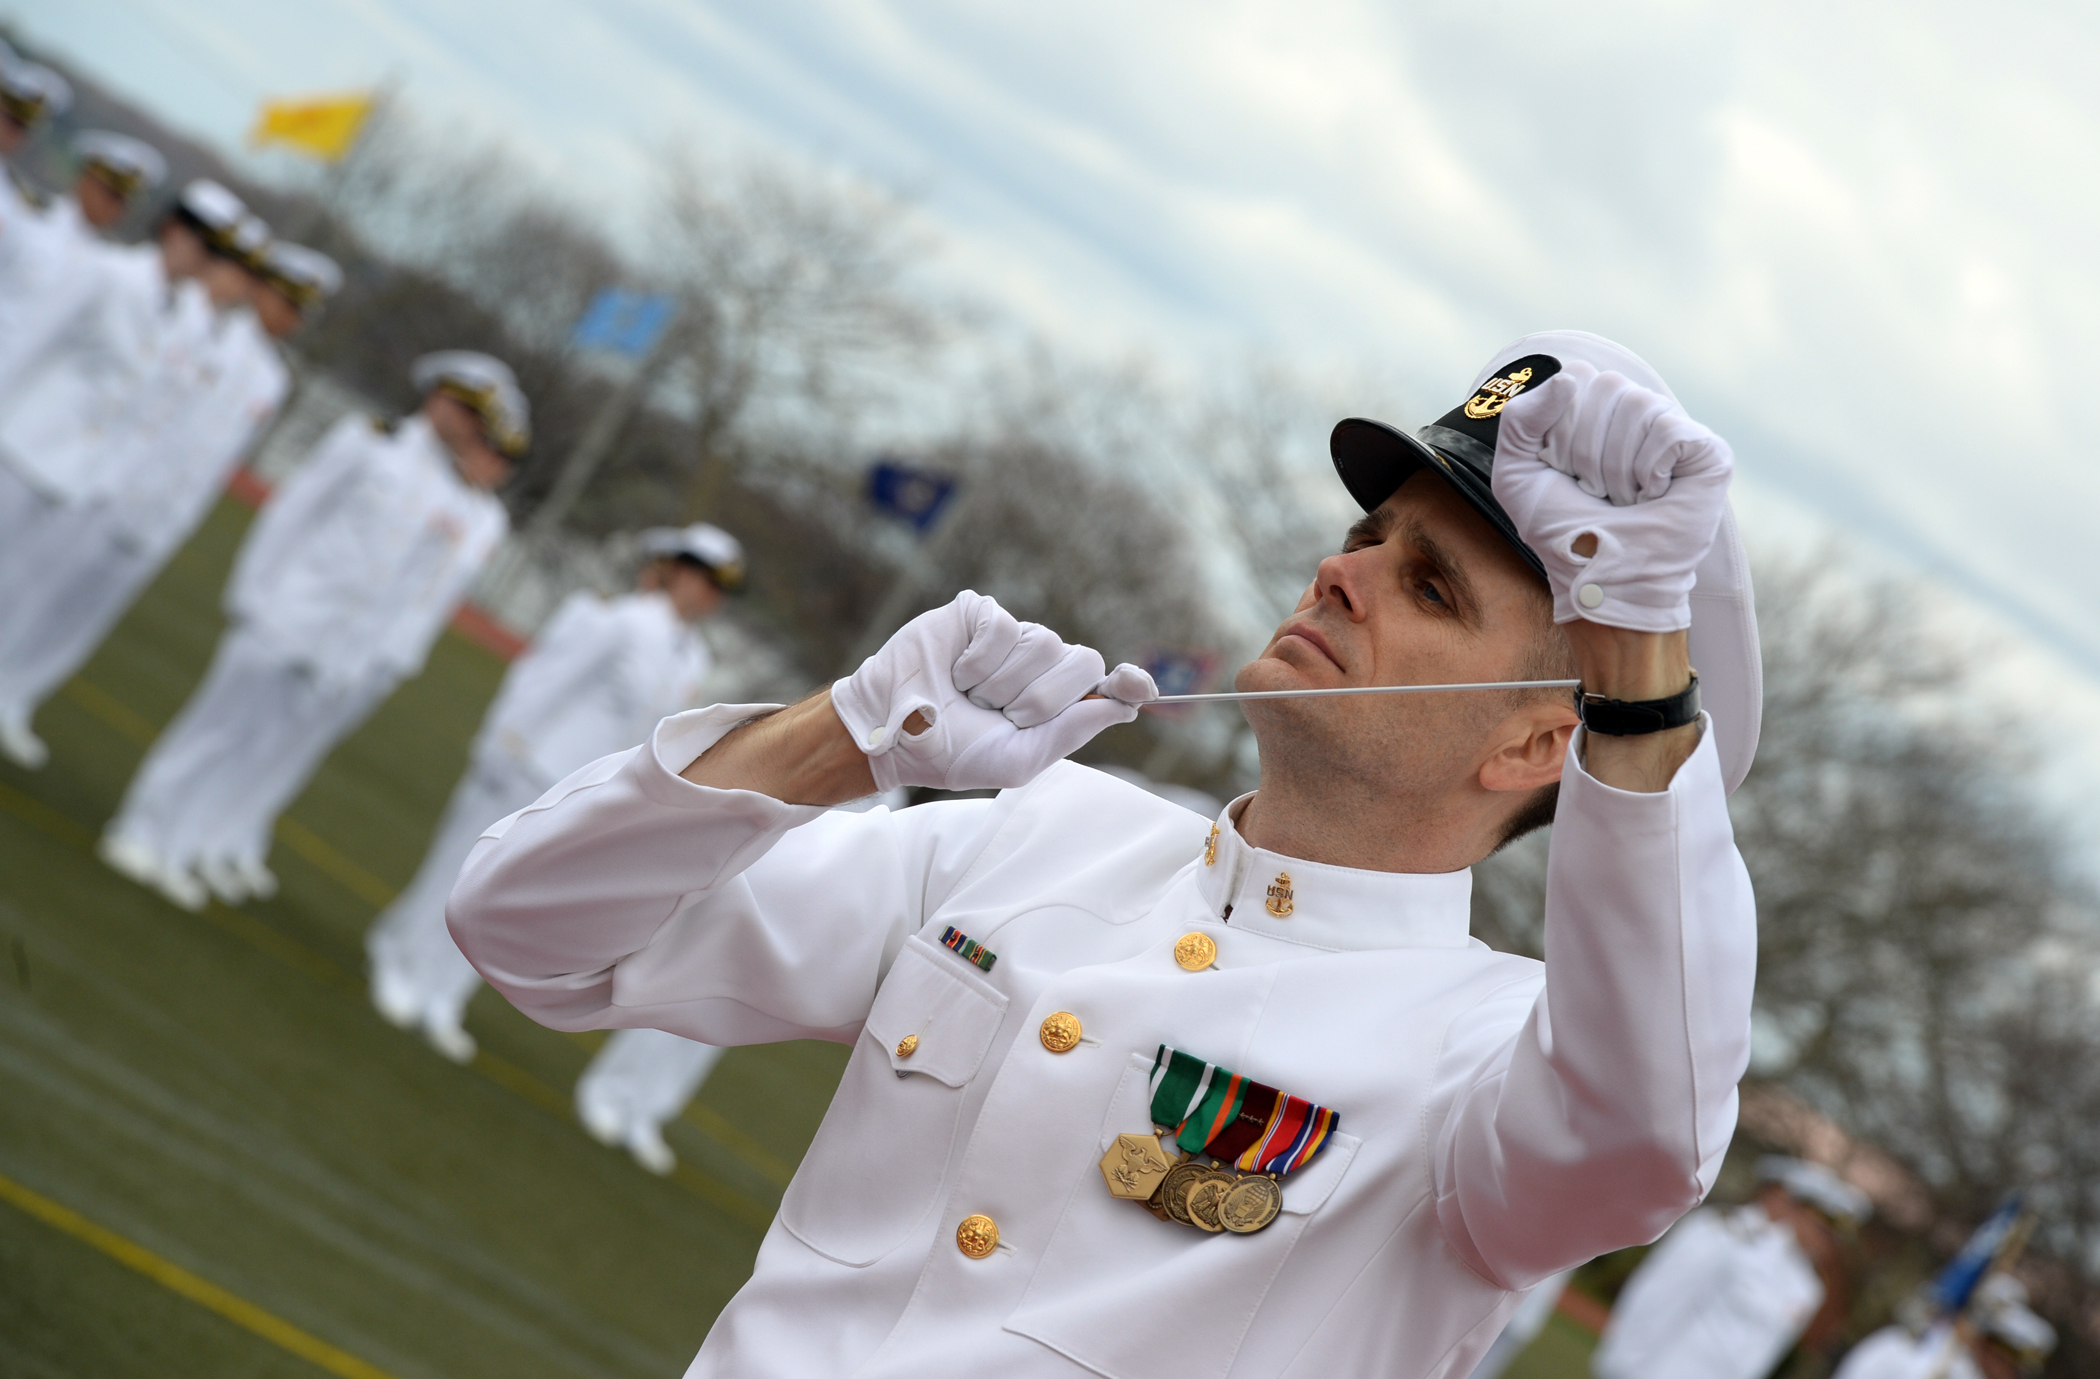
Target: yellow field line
(179,1280)
(113,711)
(332,864)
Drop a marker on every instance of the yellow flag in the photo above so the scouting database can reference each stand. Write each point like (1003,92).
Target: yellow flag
(325,127)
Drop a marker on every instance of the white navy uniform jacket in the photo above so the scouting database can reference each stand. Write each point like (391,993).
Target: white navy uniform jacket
(174,474)
(1724,1296)
(1500,1119)
(44,278)
(599,676)
(76,410)
(1893,1353)
(359,558)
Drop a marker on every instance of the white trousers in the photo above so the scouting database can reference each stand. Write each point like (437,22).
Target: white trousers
(643,1077)
(79,576)
(23,514)
(241,750)
(415,963)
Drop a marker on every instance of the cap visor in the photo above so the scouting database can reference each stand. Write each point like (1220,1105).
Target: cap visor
(1373,460)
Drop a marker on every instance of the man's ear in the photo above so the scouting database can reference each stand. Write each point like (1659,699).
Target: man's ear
(1528,747)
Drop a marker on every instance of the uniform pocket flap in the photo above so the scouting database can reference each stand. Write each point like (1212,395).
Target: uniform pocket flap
(933,1018)
(1307,1189)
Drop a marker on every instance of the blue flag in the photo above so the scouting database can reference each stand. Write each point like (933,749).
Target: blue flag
(622,322)
(909,495)
(1952,1289)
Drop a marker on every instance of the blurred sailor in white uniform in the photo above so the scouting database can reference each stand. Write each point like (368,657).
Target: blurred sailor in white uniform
(1727,1293)
(31,97)
(130,433)
(1999,1338)
(596,679)
(352,569)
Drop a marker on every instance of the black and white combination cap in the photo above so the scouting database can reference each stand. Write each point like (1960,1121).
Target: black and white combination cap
(31,93)
(709,547)
(127,166)
(306,277)
(485,384)
(1374,459)
(208,208)
(245,244)
(1818,1186)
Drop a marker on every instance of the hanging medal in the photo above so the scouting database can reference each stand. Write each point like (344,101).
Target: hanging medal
(1252,1135)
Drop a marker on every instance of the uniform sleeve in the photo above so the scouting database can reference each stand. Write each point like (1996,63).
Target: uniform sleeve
(627,896)
(310,490)
(1590,1116)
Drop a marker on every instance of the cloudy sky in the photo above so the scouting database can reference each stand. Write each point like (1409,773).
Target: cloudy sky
(1857,238)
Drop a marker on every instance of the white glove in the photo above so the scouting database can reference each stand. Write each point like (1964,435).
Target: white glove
(1595,454)
(1004,698)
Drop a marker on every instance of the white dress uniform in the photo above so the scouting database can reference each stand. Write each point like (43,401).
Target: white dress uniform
(111,432)
(1525,1324)
(346,578)
(596,679)
(1500,1119)
(1724,1296)
(1893,1353)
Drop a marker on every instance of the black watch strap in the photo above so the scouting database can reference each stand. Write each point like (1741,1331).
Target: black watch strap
(1634,717)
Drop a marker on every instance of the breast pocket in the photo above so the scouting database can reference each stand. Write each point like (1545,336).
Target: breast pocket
(877,1163)
(1131,1296)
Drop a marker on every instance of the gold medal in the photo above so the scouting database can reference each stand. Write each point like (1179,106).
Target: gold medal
(1135,1166)
(1174,1190)
(1250,1203)
(1203,1200)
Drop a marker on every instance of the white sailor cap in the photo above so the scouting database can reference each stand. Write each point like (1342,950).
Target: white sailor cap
(709,547)
(125,165)
(209,206)
(1818,1187)
(306,277)
(484,383)
(2019,1330)
(31,93)
(245,243)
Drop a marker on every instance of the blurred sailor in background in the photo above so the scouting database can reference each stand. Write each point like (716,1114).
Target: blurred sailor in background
(350,572)
(31,96)
(1998,1338)
(92,447)
(596,680)
(1727,1293)
(154,458)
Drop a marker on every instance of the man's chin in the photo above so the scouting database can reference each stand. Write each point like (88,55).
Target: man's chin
(1271,672)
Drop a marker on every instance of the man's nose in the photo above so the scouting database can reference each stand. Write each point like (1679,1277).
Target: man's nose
(1340,579)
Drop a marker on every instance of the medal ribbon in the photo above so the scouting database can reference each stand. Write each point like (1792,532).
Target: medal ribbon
(1235,1119)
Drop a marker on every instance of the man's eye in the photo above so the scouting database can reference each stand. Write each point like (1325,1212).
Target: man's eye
(1432,593)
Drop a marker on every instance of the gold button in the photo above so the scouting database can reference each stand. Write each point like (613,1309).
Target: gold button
(977,1236)
(907,1046)
(1195,952)
(1060,1032)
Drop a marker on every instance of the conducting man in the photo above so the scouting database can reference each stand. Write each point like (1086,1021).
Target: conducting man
(1728,1293)
(349,574)
(596,679)
(1135,1092)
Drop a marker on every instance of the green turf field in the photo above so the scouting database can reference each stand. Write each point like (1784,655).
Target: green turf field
(216,1159)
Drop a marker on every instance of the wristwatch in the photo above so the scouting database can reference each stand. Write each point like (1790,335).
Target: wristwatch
(1636,717)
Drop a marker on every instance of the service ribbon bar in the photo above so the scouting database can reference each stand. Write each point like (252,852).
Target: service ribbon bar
(1235,1119)
(971,950)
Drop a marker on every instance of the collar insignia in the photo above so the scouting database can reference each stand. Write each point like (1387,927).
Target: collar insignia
(1279,901)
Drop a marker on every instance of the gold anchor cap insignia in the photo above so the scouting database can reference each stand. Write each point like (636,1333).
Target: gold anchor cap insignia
(1279,901)
(1495,394)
